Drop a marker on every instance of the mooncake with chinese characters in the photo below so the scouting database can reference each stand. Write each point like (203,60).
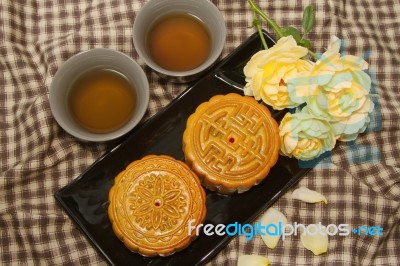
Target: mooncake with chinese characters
(231,142)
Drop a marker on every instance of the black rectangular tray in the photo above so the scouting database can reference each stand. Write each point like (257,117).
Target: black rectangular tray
(86,198)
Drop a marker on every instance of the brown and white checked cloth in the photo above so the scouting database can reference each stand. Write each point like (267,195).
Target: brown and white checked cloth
(38,157)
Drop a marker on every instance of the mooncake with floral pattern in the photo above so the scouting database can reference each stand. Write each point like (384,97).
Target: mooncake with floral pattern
(153,202)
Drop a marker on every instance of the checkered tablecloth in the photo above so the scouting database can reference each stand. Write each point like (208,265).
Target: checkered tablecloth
(37,157)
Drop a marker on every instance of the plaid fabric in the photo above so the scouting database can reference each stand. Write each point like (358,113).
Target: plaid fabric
(38,158)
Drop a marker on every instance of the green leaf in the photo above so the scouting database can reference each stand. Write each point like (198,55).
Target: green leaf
(308,18)
(305,43)
(287,31)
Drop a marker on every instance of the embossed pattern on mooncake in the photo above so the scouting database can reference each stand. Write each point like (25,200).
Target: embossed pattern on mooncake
(151,204)
(231,142)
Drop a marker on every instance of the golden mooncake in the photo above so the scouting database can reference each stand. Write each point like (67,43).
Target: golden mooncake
(152,203)
(231,142)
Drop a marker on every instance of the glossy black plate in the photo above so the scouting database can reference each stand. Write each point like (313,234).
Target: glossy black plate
(85,199)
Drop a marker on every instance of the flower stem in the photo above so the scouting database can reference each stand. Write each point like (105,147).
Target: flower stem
(256,9)
(257,24)
(313,54)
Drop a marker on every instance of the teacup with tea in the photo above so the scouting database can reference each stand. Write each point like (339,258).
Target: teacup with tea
(102,100)
(99,95)
(179,39)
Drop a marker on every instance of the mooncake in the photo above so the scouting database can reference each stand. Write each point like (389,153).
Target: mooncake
(231,142)
(153,202)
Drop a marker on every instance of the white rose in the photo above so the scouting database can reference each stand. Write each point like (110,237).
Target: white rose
(268,73)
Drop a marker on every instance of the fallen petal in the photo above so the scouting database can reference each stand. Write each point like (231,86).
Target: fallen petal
(317,243)
(271,219)
(252,260)
(308,195)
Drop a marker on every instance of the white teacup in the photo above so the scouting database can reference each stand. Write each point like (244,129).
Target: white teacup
(98,58)
(204,10)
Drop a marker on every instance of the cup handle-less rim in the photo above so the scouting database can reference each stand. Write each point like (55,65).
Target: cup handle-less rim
(59,89)
(157,5)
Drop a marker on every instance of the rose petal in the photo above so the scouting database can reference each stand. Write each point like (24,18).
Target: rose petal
(308,195)
(257,84)
(289,144)
(272,217)
(252,66)
(252,260)
(334,44)
(317,242)
(248,91)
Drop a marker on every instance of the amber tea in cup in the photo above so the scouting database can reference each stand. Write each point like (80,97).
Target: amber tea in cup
(179,42)
(102,100)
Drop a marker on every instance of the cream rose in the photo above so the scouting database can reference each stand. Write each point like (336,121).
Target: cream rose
(341,92)
(268,73)
(304,136)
